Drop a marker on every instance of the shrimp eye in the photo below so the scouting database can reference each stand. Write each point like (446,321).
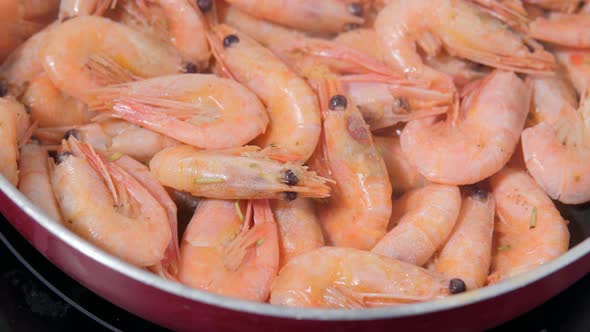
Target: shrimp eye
(27,109)
(35,140)
(61,157)
(230,39)
(289,178)
(402,103)
(290,196)
(337,101)
(355,9)
(479,193)
(3,90)
(205,5)
(70,133)
(190,68)
(457,286)
(397,193)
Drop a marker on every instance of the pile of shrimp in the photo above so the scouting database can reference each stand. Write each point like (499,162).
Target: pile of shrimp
(303,153)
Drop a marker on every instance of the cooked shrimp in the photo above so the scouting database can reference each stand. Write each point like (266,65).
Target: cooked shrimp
(241,173)
(429,216)
(33,179)
(357,213)
(9,136)
(202,110)
(402,23)
(24,63)
(347,278)
(112,137)
(557,149)
(402,175)
(50,107)
(299,228)
(528,231)
(73,8)
(222,253)
(104,204)
(570,30)
(566,6)
(292,105)
(577,65)
(478,141)
(468,251)
(321,17)
(106,53)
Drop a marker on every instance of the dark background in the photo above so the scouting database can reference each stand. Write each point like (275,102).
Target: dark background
(28,299)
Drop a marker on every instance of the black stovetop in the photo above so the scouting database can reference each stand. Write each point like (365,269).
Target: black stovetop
(36,296)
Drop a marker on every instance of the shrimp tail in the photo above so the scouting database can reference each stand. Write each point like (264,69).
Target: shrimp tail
(108,71)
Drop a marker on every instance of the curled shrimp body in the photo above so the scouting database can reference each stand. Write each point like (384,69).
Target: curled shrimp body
(347,278)
(570,30)
(292,105)
(357,213)
(106,52)
(51,108)
(34,179)
(299,228)
(14,132)
(323,17)
(104,204)
(468,251)
(242,173)
(403,23)
(476,143)
(557,149)
(202,110)
(223,253)
(429,214)
(402,175)
(529,231)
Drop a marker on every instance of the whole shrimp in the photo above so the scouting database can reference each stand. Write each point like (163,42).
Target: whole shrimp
(401,24)
(429,215)
(347,278)
(292,105)
(467,254)
(202,110)
(106,53)
(402,175)
(476,142)
(320,17)
(103,203)
(299,228)
(239,173)
(357,213)
(15,129)
(223,253)
(557,149)
(529,231)
(50,107)
(33,179)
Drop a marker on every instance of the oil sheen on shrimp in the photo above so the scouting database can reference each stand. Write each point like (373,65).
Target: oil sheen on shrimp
(223,253)
(478,141)
(429,215)
(529,231)
(242,173)
(106,53)
(202,110)
(292,105)
(467,254)
(347,278)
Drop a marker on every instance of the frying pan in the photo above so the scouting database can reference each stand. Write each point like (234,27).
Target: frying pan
(178,307)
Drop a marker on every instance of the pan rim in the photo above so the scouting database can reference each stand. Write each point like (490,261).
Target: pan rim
(408,310)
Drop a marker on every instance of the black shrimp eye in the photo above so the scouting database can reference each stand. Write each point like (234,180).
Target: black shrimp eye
(355,9)
(230,39)
(190,68)
(457,286)
(205,5)
(61,157)
(72,132)
(27,109)
(3,90)
(289,178)
(338,101)
(290,196)
(479,193)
